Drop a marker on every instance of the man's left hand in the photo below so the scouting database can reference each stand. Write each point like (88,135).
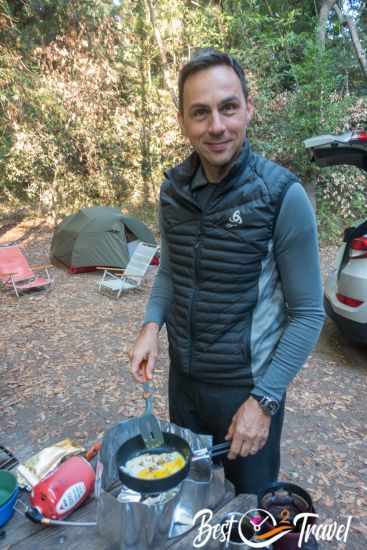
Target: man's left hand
(249,429)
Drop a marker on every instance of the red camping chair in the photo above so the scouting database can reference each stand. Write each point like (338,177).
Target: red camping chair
(17,275)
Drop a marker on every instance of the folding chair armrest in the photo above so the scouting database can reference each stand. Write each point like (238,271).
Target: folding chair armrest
(111,269)
(41,266)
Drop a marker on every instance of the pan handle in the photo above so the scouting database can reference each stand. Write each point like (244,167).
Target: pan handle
(219,449)
(149,390)
(215,450)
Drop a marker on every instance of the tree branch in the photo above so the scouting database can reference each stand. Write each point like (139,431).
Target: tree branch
(163,54)
(348,21)
(325,10)
(269,8)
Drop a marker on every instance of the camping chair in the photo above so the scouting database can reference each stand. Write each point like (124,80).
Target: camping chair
(17,275)
(132,276)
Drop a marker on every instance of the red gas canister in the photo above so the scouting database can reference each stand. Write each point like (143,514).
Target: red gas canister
(64,489)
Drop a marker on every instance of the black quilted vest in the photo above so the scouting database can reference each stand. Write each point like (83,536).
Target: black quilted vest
(215,258)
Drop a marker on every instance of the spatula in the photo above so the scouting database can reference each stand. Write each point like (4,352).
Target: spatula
(148,424)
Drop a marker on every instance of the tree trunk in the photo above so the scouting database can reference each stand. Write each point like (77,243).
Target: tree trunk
(145,132)
(325,10)
(361,55)
(163,54)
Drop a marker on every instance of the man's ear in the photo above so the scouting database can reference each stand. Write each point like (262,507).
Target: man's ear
(181,122)
(250,108)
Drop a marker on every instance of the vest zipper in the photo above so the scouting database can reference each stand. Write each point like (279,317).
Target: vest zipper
(197,253)
(197,250)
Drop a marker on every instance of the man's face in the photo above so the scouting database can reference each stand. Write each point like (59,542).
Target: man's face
(215,117)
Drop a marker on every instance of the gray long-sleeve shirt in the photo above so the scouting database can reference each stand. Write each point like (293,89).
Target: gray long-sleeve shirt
(297,258)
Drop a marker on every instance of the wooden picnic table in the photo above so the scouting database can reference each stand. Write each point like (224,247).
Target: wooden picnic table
(22,534)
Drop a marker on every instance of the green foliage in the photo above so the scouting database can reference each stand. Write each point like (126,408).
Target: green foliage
(86,116)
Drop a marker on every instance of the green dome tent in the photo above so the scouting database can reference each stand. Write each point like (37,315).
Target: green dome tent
(97,236)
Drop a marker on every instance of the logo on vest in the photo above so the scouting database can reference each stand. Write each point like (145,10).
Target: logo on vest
(235,219)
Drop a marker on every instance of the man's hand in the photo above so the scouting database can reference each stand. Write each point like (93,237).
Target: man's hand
(144,354)
(249,429)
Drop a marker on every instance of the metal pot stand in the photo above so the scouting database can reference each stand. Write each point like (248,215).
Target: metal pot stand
(128,520)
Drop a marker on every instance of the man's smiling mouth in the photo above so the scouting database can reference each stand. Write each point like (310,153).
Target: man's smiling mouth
(217,146)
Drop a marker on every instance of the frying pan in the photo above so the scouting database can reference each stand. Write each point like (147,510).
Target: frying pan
(136,447)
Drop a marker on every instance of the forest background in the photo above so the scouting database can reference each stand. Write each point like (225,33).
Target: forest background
(88,95)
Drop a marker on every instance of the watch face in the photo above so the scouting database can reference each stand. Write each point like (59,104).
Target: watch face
(273,407)
(270,405)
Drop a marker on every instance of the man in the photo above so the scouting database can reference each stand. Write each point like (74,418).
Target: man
(239,282)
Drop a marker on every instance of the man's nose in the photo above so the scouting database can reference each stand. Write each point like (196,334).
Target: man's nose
(216,124)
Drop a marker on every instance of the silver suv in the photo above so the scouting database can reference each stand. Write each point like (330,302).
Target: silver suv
(346,287)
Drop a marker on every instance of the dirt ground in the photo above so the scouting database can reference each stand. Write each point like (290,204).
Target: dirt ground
(64,372)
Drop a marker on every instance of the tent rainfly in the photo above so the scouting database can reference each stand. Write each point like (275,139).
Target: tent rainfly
(97,236)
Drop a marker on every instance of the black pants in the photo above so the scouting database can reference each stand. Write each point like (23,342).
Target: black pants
(208,409)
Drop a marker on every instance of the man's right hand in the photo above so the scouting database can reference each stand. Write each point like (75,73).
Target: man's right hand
(144,354)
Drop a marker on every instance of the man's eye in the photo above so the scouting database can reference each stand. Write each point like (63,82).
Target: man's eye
(229,108)
(200,113)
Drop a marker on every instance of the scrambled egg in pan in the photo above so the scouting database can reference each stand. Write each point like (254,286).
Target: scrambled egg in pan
(155,466)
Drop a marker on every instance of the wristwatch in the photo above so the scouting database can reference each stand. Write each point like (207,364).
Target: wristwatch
(268,404)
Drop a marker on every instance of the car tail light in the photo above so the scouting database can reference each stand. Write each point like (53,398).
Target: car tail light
(360,135)
(359,244)
(352,302)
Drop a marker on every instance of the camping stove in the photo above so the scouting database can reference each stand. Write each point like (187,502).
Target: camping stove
(128,520)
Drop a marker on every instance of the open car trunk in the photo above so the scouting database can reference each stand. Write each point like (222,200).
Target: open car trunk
(348,148)
(329,150)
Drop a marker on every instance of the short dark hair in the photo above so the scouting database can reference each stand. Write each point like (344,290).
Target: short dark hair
(205,58)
